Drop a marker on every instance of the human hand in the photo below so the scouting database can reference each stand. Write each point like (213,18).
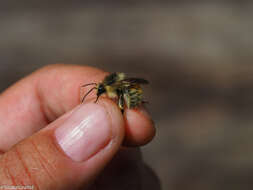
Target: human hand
(50,141)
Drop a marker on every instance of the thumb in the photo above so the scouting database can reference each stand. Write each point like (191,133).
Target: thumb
(68,153)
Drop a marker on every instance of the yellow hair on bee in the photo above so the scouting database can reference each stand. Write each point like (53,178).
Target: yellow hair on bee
(110,91)
(121,76)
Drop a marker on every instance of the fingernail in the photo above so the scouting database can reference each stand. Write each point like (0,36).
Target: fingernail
(85,132)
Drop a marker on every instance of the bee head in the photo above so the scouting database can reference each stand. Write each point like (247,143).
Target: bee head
(100,89)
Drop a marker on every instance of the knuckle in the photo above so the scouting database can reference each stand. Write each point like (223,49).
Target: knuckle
(41,162)
(51,67)
(5,175)
(14,169)
(26,163)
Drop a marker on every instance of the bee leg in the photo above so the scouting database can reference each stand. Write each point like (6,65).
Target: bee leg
(96,99)
(144,102)
(121,103)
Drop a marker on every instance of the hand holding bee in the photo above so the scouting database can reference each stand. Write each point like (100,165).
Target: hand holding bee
(44,127)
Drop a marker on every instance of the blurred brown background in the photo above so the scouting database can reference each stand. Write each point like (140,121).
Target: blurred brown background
(196,54)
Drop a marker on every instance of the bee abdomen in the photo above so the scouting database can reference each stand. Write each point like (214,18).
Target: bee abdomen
(133,97)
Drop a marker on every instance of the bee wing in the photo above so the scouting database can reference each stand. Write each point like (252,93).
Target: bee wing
(135,81)
(128,84)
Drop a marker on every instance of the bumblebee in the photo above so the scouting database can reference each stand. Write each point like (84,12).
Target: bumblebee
(127,91)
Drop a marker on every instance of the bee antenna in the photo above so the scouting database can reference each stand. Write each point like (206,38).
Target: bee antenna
(88,93)
(89,84)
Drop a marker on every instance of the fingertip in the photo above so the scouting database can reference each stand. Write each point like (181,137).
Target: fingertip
(139,127)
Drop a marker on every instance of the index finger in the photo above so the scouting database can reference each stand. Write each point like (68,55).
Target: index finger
(48,93)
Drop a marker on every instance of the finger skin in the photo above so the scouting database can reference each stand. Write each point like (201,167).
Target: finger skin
(40,98)
(139,127)
(40,161)
(37,100)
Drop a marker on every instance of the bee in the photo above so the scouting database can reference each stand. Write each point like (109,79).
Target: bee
(127,91)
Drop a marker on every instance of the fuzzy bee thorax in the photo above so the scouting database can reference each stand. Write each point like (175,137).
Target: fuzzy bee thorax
(110,91)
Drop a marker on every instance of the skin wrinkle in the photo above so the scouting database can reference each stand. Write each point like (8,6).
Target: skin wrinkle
(26,170)
(10,176)
(42,107)
(52,73)
(47,111)
(43,160)
(49,134)
(7,171)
